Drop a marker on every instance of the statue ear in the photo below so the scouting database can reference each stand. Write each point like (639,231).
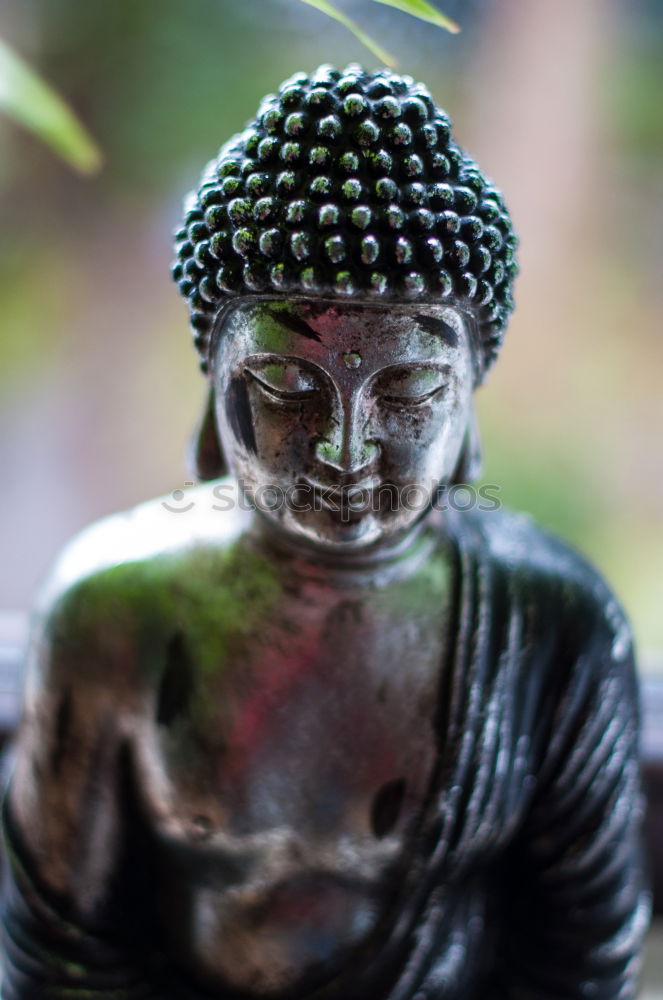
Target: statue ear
(206,458)
(469,461)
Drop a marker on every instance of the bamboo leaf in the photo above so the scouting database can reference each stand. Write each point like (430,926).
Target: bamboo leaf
(327,8)
(29,100)
(424,11)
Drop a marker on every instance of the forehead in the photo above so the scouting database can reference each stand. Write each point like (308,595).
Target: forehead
(315,329)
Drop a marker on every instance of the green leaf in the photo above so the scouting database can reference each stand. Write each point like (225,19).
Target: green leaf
(327,8)
(30,101)
(424,11)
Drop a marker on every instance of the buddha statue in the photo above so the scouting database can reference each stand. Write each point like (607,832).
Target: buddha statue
(319,733)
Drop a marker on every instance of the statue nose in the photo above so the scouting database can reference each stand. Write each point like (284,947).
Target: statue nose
(350,461)
(348,446)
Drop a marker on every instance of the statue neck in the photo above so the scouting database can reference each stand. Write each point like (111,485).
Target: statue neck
(399,557)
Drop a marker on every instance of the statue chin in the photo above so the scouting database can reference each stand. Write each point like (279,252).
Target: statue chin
(326,530)
(340,528)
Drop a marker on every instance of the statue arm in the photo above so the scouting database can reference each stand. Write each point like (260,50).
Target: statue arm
(62,816)
(580,906)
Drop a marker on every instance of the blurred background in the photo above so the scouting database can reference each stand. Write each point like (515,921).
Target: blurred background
(99,384)
(560,104)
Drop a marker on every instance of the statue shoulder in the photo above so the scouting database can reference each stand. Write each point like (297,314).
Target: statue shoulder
(114,579)
(554,578)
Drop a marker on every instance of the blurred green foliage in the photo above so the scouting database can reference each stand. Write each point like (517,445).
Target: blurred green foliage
(337,15)
(424,10)
(29,100)
(638,77)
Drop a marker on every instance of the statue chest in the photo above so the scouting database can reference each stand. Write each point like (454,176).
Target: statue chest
(321,715)
(285,770)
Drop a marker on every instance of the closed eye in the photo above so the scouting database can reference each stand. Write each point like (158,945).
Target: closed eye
(411,400)
(286,381)
(409,386)
(288,395)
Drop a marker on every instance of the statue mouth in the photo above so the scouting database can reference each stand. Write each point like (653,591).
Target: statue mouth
(349,501)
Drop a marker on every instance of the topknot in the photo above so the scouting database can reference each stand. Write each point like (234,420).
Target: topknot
(348,184)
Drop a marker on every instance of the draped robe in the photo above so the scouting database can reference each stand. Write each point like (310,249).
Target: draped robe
(523,877)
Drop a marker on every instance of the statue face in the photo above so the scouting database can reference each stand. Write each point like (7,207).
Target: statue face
(340,420)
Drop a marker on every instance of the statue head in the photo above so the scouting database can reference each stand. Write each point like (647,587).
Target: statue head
(343,247)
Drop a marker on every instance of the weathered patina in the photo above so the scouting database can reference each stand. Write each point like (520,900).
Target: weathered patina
(321,729)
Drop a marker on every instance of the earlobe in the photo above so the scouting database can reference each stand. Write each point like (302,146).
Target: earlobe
(205,458)
(469,461)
